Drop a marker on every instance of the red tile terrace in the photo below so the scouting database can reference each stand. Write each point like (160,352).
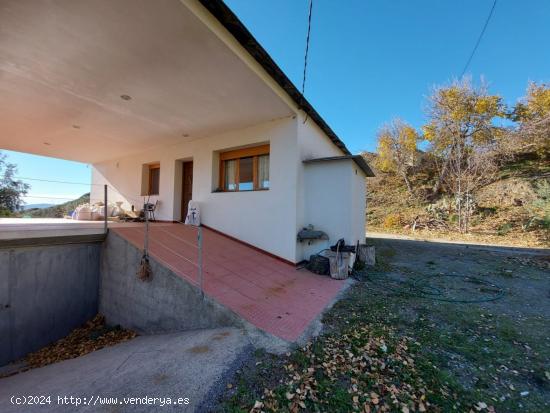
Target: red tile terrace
(267,292)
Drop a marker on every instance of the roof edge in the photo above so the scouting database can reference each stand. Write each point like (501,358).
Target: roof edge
(358,159)
(237,29)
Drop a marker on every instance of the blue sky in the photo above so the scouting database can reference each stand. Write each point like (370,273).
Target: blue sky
(371,60)
(41,167)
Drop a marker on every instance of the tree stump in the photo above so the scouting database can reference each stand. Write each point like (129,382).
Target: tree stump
(366,254)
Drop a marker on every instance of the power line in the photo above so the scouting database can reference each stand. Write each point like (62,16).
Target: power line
(48,197)
(479,38)
(307,45)
(23,178)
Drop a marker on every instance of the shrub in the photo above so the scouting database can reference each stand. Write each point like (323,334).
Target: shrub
(487,211)
(539,209)
(504,229)
(392,221)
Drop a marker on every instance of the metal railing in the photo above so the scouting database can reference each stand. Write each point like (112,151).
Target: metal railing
(103,194)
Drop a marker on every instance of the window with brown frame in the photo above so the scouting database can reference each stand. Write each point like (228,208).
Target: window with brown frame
(154,179)
(245,169)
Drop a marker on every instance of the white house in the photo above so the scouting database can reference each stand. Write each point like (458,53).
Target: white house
(176,99)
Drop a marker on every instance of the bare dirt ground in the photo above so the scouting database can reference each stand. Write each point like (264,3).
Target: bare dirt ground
(516,238)
(433,327)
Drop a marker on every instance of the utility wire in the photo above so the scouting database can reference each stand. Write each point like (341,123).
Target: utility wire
(23,178)
(307,45)
(479,38)
(48,197)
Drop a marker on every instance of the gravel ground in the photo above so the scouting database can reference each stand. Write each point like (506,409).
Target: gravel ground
(433,327)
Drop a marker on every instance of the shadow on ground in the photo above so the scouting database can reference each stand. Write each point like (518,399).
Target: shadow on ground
(432,327)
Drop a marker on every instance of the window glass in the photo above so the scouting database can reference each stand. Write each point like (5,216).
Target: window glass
(263,172)
(246,174)
(245,169)
(229,173)
(154,181)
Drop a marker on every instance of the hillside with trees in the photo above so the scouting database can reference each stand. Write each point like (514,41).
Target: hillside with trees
(12,190)
(477,170)
(56,211)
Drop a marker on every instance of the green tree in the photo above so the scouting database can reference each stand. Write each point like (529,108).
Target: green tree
(11,189)
(397,150)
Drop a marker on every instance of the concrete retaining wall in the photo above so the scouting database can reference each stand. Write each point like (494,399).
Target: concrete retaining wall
(45,292)
(164,304)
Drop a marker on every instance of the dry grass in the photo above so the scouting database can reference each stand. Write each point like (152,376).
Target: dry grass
(502,216)
(511,239)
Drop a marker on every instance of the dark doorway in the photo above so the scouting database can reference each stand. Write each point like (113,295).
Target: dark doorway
(187,187)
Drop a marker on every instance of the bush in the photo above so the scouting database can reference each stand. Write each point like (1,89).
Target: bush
(539,209)
(504,229)
(439,210)
(487,211)
(392,221)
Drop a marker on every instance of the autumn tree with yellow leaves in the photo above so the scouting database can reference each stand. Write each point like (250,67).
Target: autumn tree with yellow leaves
(466,143)
(532,114)
(397,150)
(463,139)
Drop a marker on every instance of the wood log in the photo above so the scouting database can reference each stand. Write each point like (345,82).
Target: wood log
(366,254)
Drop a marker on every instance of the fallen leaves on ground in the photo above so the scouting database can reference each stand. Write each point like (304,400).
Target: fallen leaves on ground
(92,336)
(375,373)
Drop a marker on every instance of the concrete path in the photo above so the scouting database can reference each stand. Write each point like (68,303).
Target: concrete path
(187,366)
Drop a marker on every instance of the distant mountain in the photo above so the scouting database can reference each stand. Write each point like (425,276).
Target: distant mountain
(36,206)
(57,211)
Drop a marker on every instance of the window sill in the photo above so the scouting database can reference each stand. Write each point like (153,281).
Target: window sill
(219,191)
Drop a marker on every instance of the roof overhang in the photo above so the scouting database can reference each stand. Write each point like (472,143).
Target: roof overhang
(91,81)
(358,159)
(234,26)
(96,80)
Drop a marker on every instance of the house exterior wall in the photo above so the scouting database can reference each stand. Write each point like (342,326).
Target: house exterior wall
(265,219)
(358,204)
(328,195)
(331,195)
(327,206)
(334,203)
(269,220)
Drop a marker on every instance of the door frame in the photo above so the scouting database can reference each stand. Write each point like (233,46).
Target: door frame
(184,205)
(177,194)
